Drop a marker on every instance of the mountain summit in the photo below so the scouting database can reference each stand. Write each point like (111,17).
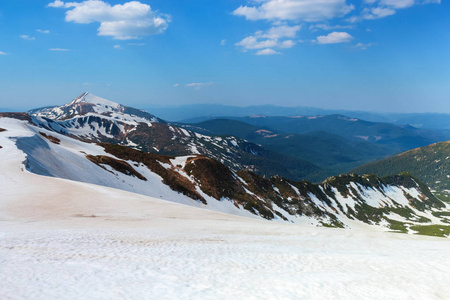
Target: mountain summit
(88,103)
(87,97)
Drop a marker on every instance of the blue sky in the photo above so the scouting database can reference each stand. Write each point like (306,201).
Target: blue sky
(375,55)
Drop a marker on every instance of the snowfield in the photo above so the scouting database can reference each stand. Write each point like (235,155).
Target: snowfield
(62,239)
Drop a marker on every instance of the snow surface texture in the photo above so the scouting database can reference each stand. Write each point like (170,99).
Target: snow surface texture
(61,239)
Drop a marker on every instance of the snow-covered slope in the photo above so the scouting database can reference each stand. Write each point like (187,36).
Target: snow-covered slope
(62,239)
(397,203)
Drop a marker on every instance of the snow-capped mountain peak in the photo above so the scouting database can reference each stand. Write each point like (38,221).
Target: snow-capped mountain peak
(97,101)
(93,118)
(84,104)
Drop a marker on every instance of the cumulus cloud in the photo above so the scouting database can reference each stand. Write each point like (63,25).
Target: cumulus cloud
(199,85)
(299,10)
(334,38)
(43,31)
(56,3)
(27,37)
(131,20)
(267,52)
(275,37)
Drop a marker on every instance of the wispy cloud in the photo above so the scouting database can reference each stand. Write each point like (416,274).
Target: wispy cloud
(131,20)
(43,31)
(117,47)
(327,27)
(176,85)
(377,9)
(199,85)
(334,38)
(223,42)
(3,53)
(267,52)
(27,37)
(362,46)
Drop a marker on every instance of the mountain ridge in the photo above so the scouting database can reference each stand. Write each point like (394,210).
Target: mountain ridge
(127,126)
(398,203)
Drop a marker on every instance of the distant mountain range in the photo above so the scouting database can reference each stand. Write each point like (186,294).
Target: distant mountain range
(335,143)
(196,113)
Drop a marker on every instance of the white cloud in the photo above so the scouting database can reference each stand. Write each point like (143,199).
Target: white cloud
(176,85)
(59,49)
(300,10)
(223,42)
(327,27)
(378,9)
(252,42)
(27,37)
(267,52)
(334,38)
(43,31)
(377,13)
(131,20)
(56,3)
(397,3)
(117,47)
(274,37)
(199,85)
(281,32)
(2,53)
(430,1)
(362,46)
